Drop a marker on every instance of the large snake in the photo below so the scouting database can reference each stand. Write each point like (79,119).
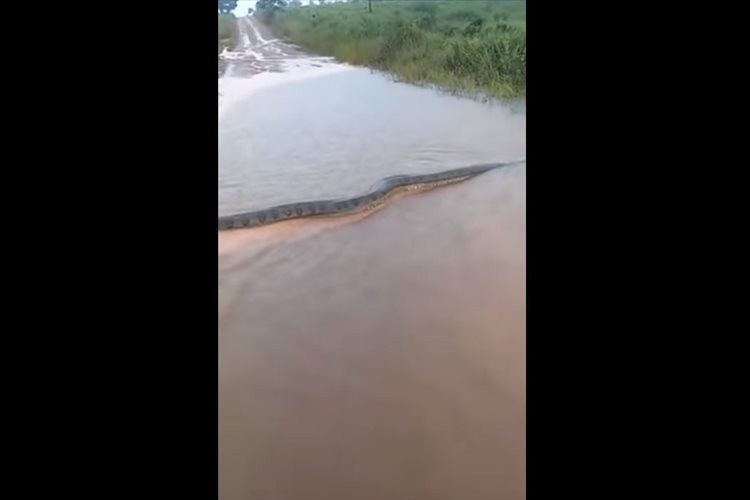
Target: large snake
(371,200)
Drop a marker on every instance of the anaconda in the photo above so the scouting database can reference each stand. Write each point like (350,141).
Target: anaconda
(371,200)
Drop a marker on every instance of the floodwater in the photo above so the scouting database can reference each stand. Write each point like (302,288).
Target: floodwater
(375,357)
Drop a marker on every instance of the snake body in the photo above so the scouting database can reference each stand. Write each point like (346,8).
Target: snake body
(371,200)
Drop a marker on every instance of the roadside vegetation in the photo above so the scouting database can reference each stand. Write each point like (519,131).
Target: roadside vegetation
(468,47)
(227,30)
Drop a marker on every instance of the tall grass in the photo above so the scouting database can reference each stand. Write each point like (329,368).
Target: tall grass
(227,28)
(468,47)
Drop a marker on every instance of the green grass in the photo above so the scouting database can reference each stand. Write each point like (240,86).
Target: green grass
(227,29)
(468,47)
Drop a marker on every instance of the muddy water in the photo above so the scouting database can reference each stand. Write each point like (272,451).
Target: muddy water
(378,357)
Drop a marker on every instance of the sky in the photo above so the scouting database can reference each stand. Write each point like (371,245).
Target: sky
(242,6)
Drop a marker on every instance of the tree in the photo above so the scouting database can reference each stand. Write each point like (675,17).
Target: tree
(267,8)
(227,6)
(270,5)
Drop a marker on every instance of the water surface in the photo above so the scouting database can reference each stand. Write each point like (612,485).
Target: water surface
(378,357)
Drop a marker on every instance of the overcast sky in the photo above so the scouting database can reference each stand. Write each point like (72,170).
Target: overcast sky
(242,6)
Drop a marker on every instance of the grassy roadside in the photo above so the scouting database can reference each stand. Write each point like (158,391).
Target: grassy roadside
(474,48)
(227,30)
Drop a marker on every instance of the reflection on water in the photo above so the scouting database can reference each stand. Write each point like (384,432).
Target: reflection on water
(335,136)
(381,357)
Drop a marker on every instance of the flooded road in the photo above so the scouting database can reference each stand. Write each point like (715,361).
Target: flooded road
(376,357)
